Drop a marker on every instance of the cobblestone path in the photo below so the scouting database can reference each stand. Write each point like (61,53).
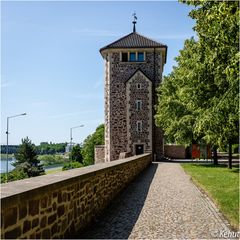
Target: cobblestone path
(162,203)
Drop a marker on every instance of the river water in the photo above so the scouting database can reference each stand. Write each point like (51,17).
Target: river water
(11,167)
(4,165)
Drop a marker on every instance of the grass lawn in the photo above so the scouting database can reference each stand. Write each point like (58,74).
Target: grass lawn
(53,171)
(222,186)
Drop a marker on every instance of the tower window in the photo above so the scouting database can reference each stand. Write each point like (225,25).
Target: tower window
(124,57)
(140,57)
(139,126)
(132,57)
(139,85)
(139,105)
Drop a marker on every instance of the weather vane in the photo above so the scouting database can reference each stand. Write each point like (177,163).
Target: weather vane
(134,21)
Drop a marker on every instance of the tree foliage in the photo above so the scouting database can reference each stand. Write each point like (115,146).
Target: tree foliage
(71,165)
(76,154)
(97,138)
(50,148)
(27,160)
(198,101)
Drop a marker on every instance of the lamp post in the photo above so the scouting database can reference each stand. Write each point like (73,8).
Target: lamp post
(71,138)
(7,132)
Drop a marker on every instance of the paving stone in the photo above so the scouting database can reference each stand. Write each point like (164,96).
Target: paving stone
(162,203)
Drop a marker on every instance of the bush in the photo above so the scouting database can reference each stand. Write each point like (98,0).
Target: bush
(97,138)
(14,175)
(235,148)
(72,165)
(27,159)
(48,160)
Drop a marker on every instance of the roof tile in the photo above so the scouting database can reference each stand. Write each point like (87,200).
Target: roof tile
(133,40)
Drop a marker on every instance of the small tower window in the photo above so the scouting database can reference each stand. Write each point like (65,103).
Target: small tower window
(139,126)
(139,105)
(124,57)
(132,57)
(140,56)
(139,86)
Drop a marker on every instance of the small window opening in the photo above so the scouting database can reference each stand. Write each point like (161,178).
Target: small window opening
(124,57)
(132,57)
(139,105)
(139,126)
(140,57)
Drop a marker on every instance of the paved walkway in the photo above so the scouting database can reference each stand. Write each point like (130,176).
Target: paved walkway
(162,203)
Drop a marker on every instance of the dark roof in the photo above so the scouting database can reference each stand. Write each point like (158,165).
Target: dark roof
(134,40)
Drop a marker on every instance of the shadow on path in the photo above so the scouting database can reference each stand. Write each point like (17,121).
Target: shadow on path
(118,220)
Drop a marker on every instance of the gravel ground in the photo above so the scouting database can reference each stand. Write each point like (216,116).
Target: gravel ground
(161,203)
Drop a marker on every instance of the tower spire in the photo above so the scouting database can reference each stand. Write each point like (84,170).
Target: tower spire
(134,21)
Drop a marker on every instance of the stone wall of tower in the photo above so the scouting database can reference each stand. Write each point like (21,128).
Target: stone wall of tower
(107,107)
(117,74)
(139,88)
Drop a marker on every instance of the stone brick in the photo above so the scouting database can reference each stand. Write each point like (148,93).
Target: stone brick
(59,197)
(54,194)
(26,226)
(49,209)
(44,202)
(10,217)
(22,211)
(52,218)
(13,234)
(38,235)
(54,206)
(43,222)
(54,229)
(33,236)
(33,207)
(35,222)
(64,197)
(46,234)
(60,210)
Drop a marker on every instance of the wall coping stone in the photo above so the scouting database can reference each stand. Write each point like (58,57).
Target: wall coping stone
(37,185)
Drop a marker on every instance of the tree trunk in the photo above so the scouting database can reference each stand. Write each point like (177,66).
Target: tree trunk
(215,156)
(230,155)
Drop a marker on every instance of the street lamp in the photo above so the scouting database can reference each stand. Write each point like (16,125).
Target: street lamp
(7,132)
(71,134)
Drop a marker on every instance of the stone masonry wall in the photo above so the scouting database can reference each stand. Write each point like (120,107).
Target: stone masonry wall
(99,154)
(144,94)
(59,205)
(175,151)
(116,75)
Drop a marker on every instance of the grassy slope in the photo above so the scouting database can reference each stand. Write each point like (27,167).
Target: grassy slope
(221,184)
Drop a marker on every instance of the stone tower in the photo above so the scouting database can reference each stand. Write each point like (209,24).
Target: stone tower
(133,71)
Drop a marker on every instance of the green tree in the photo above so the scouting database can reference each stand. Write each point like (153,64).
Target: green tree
(217,25)
(198,101)
(76,154)
(27,160)
(97,138)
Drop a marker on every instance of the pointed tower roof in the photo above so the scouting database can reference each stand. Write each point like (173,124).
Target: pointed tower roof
(134,40)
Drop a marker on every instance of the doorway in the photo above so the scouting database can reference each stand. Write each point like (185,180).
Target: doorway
(139,149)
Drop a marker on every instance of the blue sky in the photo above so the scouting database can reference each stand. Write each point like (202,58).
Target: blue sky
(51,67)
